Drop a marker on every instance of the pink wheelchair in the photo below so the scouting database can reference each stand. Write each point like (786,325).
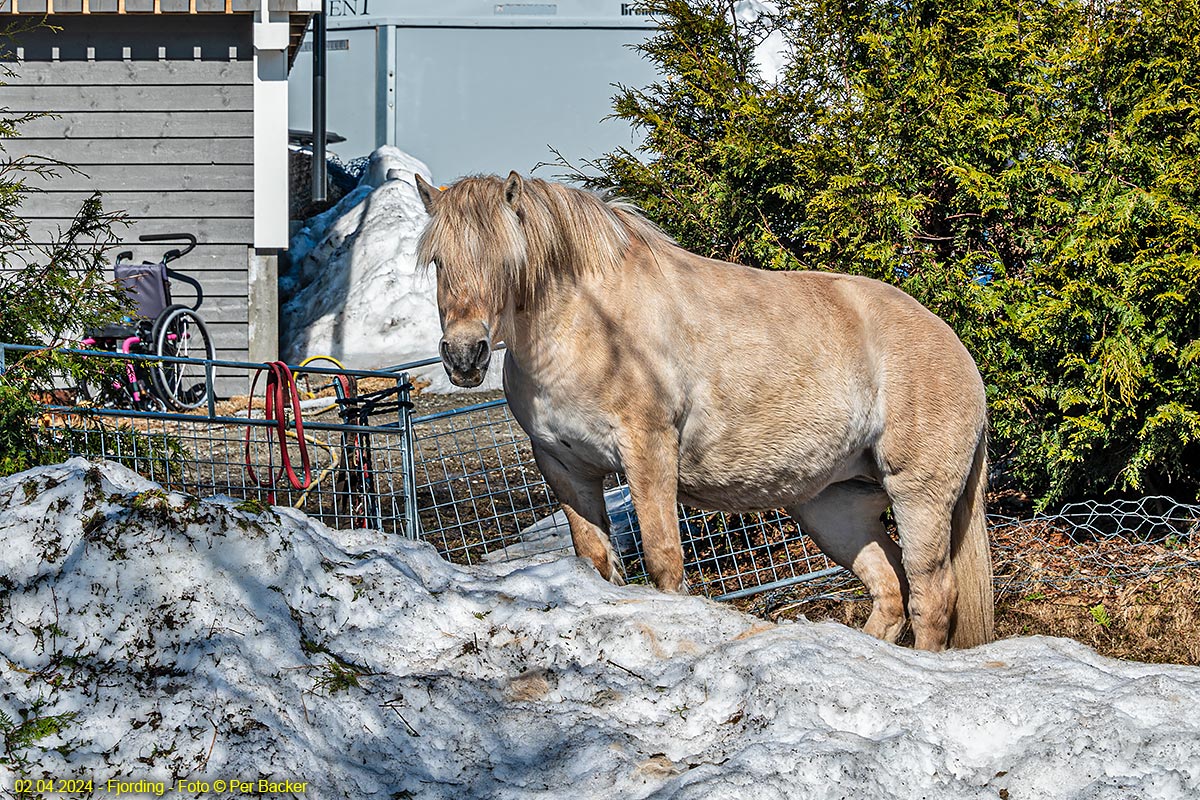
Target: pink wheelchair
(158,327)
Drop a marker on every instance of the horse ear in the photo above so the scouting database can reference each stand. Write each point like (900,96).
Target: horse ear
(513,188)
(427,191)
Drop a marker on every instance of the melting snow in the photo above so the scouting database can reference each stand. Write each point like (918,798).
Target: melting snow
(354,291)
(210,640)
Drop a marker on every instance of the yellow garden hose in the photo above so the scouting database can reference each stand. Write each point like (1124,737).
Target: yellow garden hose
(334,459)
(310,360)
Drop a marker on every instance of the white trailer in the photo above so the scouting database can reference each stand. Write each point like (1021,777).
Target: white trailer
(472,86)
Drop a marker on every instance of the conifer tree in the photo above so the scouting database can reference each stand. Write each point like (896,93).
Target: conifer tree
(1026,170)
(53,283)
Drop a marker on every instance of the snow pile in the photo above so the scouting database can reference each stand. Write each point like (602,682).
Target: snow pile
(209,640)
(353,290)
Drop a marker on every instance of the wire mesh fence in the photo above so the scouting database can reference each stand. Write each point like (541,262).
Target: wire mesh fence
(480,497)
(1087,549)
(477,486)
(349,470)
(464,479)
(1100,544)
(237,458)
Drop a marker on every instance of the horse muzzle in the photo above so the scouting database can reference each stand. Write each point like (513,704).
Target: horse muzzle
(466,363)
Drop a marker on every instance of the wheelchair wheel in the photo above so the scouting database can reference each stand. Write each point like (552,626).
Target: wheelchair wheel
(106,387)
(180,333)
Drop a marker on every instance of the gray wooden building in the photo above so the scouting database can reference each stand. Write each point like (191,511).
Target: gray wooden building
(177,111)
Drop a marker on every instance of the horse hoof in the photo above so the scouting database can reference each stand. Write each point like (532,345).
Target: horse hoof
(680,588)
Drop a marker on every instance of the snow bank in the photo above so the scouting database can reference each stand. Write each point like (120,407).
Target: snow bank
(210,640)
(353,290)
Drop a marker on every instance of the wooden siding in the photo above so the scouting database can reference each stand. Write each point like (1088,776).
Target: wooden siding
(39,7)
(126,98)
(209,232)
(139,124)
(142,178)
(111,68)
(161,152)
(165,136)
(151,204)
(129,6)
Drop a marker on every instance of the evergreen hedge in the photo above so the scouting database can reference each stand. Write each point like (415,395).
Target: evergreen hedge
(53,285)
(1026,170)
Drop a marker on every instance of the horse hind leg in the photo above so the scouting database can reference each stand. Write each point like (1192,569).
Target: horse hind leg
(941,519)
(845,522)
(923,520)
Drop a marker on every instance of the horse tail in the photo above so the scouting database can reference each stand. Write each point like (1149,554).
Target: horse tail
(973,620)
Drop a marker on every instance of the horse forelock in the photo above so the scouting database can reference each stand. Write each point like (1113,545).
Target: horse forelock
(475,239)
(484,244)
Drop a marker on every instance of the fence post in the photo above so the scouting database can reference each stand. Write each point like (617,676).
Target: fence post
(212,388)
(412,523)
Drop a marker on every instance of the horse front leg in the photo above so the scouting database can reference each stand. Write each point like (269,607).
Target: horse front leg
(652,468)
(582,498)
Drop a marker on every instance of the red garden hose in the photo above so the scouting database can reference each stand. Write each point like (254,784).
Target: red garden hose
(280,391)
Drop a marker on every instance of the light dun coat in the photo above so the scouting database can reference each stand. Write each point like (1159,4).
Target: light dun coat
(724,387)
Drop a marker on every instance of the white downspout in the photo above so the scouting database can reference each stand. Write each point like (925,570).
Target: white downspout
(271,34)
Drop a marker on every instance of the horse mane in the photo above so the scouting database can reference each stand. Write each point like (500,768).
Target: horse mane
(482,242)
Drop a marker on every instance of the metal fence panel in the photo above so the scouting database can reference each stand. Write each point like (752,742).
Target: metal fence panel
(464,479)
(480,496)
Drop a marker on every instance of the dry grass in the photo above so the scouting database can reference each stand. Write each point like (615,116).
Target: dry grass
(1155,620)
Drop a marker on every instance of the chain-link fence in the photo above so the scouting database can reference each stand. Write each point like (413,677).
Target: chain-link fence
(1102,544)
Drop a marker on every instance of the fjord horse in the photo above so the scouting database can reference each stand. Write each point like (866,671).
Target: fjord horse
(723,387)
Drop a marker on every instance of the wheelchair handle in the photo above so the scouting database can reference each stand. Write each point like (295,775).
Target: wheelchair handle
(171,255)
(190,281)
